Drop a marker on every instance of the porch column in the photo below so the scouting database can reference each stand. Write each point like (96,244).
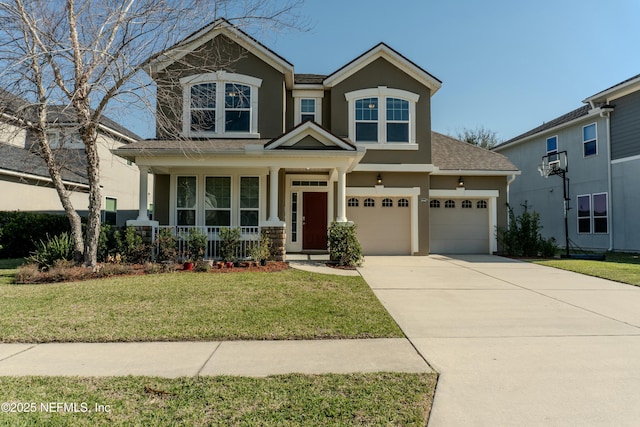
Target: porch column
(342,194)
(143,214)
(273,194)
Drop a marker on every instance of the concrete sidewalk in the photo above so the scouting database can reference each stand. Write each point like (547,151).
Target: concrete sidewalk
(176,359)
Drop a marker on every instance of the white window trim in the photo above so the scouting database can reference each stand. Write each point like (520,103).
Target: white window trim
(595,124)
(220,78)
(104,211)
(593,213)
(240,208)
(382,93)
(557,161)
(175,208)
(204,198)
(578,217)
(298,96)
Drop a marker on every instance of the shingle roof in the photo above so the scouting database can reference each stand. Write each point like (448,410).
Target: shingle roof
(191,145)
(309,78)
(565,118)
(615,86)
(18,159)
(61,114)
(448,153)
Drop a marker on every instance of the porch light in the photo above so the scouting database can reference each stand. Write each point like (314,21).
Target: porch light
(379,179)
(460,182)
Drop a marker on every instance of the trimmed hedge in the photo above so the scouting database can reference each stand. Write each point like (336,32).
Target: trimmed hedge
(21,231)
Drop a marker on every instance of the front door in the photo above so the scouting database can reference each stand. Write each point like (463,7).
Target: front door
(314,221)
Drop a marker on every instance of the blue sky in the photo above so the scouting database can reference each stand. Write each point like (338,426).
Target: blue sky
(507,65)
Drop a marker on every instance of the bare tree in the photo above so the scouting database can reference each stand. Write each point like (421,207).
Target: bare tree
(86,55)
(480,136)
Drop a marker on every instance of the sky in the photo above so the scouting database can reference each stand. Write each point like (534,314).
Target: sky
(506,65)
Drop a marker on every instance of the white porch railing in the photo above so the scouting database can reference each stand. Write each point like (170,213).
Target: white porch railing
(248,237)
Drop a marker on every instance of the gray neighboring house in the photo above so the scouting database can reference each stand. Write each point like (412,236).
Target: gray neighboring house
(602,140)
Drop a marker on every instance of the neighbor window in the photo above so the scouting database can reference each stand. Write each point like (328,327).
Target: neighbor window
(111,211)
(217,199)
(186,200)
(593,213)
(589,140)
(584,214)
(382,115)
(220,104)
(249,201)
(552,149)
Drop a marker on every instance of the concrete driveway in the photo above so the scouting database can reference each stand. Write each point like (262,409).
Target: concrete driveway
(517,344)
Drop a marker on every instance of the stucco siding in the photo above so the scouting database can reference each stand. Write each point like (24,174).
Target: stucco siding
(35,197)
(625,127)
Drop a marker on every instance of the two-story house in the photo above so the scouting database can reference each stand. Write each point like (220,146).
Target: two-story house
(24,178)
(241,140)
(602,144)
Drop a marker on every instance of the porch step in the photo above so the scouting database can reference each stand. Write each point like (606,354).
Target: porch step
(307,257)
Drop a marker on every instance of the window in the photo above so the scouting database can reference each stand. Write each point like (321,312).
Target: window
(600,213)
(387,203)
(220,103)
(186,200)
(369,203)
(397,120)
(450,204)
(111,211)
(482,204)
(382,116)
(217,200)
(466,204)
(294,217)
(434,204)
(367,120)
(584,214)
(403,203)
(307,110)
(589,140)
(552,149)
(353,203)
(249,201)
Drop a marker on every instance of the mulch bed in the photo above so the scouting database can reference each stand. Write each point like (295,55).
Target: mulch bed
(271,267)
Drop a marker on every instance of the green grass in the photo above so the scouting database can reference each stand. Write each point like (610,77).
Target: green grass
(391,399)
(8,268)
(194,306)
(620,267)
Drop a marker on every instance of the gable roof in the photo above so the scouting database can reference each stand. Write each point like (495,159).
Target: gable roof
(20,160)
(451,154)
(616,91)
(59,114)
(326,138)
(382,50)
(211,31)
(558,121)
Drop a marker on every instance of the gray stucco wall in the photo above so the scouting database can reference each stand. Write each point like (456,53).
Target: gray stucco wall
(626,205)
(545,195)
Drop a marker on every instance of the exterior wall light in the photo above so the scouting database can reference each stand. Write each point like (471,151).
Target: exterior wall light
(460,182)
(379,179)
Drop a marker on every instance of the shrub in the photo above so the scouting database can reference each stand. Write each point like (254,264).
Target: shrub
(261,250)
(196,244)
(201,266)
(27,273)
(109,270)
(344,247)
(21,231)
(54,249)
(131,246)
(229,243)
(166,246)
(522,237)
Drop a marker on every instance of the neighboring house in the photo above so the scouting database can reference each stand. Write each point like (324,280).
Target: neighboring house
(24,178)
(244,141)
(602,141)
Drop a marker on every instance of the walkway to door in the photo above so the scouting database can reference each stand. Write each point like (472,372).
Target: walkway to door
(517,344)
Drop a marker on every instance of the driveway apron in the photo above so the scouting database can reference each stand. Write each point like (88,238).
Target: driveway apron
(517,344)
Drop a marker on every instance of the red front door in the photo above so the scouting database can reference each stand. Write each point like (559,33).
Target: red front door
(314,222)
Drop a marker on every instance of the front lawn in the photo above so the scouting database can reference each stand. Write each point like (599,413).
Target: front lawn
(193,307)
(620,267)
(288,400)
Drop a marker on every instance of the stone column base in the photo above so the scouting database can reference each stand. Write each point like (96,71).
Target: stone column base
(278,238)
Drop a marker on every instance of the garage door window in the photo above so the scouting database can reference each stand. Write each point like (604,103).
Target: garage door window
(434,204)
(449,204)
(369,203)
(466,204)
(482,204)
(353,203)
(403,203)
(387,203)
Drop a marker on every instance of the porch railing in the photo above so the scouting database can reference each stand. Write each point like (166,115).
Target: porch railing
(248,237)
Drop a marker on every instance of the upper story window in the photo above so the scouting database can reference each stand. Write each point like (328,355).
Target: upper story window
(307,110)
(382,116)
(589,140)
(552,149)
(220,104)
(307,105)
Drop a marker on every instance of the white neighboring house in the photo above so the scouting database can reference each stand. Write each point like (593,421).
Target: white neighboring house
(25,184)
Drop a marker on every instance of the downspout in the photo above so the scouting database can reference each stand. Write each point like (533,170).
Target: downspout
(509,181)
(606,113)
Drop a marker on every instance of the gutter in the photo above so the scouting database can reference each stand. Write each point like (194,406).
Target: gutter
(23,175)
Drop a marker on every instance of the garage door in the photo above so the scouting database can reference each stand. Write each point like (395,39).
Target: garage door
(384,224)
(458,226)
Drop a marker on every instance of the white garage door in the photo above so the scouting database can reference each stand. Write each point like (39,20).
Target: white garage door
(384,224)
(458,226)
